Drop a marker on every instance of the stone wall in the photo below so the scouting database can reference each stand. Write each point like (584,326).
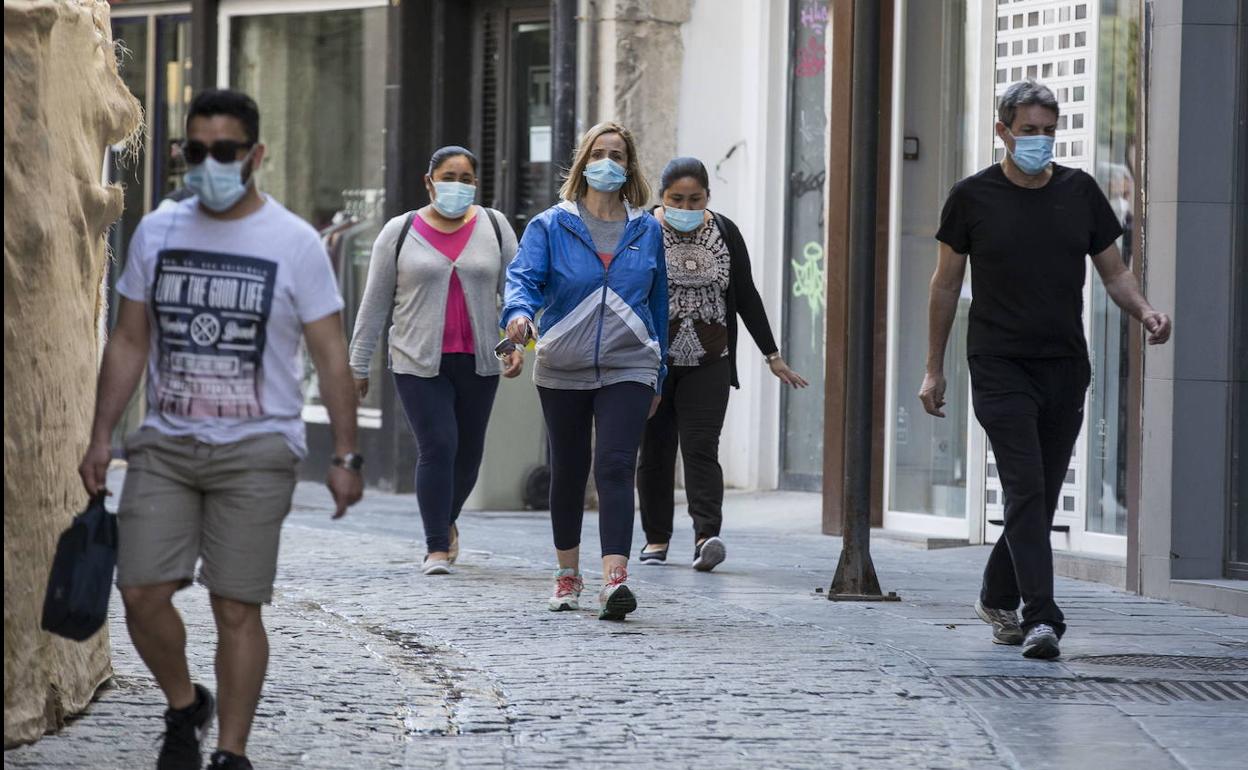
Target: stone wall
(64,103)
(636,75)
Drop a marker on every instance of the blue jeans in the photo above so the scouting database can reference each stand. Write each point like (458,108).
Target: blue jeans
(449,414)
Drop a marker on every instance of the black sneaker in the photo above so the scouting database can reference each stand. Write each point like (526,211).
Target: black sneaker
(709,555)
(185,730)
(224,760)
(653,557)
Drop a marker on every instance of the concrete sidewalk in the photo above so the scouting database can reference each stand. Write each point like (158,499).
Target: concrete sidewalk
(376,666)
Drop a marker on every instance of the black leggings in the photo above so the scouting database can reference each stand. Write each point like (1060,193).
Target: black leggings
(618,413)
(449,414)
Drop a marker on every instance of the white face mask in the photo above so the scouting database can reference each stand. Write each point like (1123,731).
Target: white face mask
(218,185)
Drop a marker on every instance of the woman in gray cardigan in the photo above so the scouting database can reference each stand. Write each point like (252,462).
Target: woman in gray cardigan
(440,270)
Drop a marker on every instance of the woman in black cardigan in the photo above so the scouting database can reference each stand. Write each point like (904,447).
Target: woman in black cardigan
(709,284)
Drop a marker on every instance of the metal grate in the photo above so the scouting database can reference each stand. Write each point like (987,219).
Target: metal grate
(1178,662)
(1094,690)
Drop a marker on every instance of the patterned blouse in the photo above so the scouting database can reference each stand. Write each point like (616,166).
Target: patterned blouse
(698,268)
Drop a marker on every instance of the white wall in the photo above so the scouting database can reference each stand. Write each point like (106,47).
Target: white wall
(733,94)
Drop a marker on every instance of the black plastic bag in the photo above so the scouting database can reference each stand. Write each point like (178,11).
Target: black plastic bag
(76,604)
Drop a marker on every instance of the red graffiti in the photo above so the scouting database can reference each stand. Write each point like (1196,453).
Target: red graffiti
(811,59)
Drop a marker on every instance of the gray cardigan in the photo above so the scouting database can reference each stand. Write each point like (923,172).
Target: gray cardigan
(419,304)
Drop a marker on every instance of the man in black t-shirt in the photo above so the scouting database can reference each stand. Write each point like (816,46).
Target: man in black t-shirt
(1027,225)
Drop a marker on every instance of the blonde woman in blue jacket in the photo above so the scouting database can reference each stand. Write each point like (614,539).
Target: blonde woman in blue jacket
(593,267)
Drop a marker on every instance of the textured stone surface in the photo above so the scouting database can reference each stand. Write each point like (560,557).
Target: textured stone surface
(376,666)
(63,105)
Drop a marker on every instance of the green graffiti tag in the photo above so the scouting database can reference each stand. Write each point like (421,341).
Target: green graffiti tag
(810,281)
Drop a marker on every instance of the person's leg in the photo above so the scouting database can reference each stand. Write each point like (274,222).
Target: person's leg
(619,420)
(159,520)
(1065,384)
(701,404)
(569,425)
(656,469)
(430,406)
(474,399)
(158,634)
(242,660)
(1006,405)
(248,487)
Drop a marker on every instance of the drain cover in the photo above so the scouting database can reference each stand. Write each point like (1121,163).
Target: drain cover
(1178,662)
(1093,690)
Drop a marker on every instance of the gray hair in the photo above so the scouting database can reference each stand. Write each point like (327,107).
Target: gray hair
(1025,93)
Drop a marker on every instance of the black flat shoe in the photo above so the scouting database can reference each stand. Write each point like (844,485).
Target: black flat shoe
(657,557)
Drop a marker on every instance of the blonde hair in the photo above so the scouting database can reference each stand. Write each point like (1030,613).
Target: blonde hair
(636,189)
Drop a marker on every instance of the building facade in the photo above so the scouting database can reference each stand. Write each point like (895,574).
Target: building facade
(355,94)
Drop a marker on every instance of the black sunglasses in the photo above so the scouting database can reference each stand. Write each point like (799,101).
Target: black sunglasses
(224,151)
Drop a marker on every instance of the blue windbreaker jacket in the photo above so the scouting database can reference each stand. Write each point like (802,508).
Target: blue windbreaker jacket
(598,326)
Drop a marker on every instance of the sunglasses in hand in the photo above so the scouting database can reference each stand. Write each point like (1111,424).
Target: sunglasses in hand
(224,151)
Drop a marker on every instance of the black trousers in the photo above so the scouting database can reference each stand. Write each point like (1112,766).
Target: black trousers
(449,414)
(1032,411)
(615,416)
(691,417)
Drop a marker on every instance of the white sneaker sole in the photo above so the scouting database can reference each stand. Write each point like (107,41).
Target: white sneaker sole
(711,556)
(436,568)
(563,605)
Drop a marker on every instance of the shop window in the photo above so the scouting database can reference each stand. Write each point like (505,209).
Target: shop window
(319,79)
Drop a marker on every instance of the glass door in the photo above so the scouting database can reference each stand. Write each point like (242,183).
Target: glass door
(805,302)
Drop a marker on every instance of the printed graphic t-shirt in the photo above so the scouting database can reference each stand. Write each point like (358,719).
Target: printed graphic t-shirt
(1028,250)
(227,301)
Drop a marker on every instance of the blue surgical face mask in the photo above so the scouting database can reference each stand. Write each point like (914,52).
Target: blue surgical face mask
(218,185)
(453,198)
(605,175)
(1032,154)
(683,220)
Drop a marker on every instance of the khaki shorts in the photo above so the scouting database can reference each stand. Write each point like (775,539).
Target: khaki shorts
(184,500)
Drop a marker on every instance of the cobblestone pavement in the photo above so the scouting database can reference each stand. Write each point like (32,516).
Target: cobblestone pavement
(376,666)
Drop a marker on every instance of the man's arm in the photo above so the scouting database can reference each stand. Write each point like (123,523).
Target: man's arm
(328,349)
(125,356)
(943,294)
(1124,289)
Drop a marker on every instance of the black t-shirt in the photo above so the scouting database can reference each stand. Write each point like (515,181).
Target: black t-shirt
(1027,249)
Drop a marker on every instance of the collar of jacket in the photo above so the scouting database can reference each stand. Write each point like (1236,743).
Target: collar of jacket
(577,225)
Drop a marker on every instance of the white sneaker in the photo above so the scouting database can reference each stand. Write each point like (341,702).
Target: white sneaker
(568,587)
(436,566)
(1041,642)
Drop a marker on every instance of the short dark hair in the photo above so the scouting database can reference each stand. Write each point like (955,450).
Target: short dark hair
(224,101)
(1025,93)
(679,168)
(443,154)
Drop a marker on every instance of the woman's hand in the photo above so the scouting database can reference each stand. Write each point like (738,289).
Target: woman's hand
(361,388)
(514,363)
(519,330)
(785,374)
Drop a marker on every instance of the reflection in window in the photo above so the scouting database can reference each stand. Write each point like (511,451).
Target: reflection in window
(319,80)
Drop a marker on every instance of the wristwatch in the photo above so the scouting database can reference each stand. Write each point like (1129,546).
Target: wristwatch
(771,357)
(351,461)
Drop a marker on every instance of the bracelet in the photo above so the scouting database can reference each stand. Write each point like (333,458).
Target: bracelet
(772,357)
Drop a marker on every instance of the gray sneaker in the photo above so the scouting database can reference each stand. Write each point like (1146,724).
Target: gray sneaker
(1041,643)
(1005,628)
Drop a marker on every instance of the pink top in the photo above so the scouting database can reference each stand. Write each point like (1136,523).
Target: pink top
(457,334)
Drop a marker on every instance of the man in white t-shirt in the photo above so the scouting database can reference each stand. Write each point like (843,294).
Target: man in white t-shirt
(217,292)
